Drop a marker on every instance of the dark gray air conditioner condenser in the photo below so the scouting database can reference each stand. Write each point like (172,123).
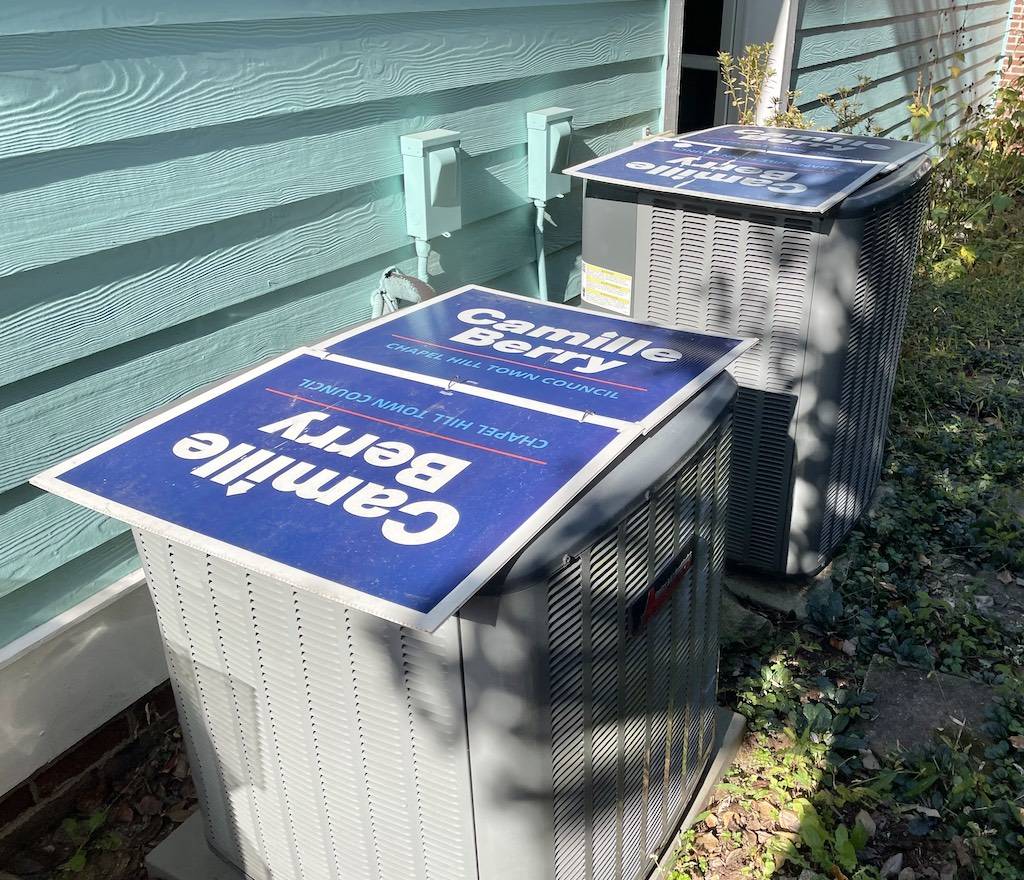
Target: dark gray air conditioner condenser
(826,294)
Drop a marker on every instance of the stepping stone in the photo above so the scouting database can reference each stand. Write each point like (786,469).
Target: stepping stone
(913,705)
(739,627)
(787,596)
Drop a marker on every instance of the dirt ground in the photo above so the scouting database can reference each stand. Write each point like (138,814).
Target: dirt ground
(113,825)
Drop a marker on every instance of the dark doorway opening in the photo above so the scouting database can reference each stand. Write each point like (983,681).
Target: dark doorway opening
(708,27)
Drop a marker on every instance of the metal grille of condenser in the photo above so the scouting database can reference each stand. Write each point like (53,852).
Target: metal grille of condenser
(810,420)
(633,714)
(732,271)
(327,744)
(879,314)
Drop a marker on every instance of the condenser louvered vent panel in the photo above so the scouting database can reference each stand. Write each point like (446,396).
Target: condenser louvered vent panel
(755,259)
(749,274)
(565,615)
(662,257)
(792,293)
(702,564)
(635,580)
(630,749)
(351,767)
(731,274)
(878,314)
(659,657)
(722,309)
(684,747)
(607,619)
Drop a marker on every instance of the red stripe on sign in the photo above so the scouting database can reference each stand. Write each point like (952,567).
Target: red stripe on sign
(518,363)
(360,415)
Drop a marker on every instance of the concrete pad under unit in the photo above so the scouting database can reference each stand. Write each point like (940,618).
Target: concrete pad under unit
(185,855)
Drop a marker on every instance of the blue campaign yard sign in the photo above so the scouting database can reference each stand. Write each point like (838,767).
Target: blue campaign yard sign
(553,354)
(749,176)
(395,497)
(822,144)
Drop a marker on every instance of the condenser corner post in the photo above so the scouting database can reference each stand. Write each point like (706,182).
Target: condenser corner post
(424,627)
(804,240)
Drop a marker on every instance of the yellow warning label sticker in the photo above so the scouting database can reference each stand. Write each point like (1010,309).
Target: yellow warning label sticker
(608,289)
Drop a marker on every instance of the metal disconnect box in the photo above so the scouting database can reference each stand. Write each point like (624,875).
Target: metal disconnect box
(822,284)
(554,725)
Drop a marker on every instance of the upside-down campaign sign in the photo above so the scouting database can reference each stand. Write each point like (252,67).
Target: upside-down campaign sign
(823,144)
(749,175)
(397,470)
(398,497)
(586,362)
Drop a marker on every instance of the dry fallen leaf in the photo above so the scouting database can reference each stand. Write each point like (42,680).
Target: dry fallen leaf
(1004,577)
(789,820)
(962,856)
(122,813)
(1017,741)
(149,805)
(892,865)
(180,770)
(707,841)
(179,813)
(847,646)
(866,822)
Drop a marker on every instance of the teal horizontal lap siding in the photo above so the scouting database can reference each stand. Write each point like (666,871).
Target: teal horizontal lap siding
(190,188)
(898,45)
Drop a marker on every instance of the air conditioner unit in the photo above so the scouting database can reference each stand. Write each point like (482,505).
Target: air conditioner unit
(550,722)
(545,727)
(823,286)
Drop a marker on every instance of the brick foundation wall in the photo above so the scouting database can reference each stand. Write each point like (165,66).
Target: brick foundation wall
(102,756)
(1015,43)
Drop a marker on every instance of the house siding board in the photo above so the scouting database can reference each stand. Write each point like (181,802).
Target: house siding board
(75,88)
(190,188)
(218,260)
(65,586)
(26,17)
(896,45)
(40,531)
